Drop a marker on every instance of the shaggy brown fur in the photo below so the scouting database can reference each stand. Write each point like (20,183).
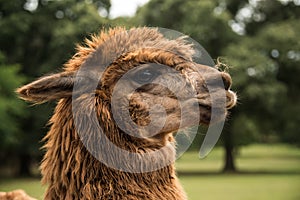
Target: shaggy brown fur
(15,195)
(68,169)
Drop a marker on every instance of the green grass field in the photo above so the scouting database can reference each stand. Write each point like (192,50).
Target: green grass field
(266,172)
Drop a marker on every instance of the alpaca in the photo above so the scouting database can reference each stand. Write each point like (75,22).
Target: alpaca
(75,166)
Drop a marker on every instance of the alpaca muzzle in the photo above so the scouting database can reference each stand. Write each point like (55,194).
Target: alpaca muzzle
(213,94)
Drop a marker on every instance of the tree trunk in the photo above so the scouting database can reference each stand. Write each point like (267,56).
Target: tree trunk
(24,166)
(229,153)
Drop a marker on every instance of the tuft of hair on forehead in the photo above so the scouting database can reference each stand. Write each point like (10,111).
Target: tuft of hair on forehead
(119,41)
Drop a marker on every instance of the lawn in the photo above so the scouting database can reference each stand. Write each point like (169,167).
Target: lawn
(243,187)
(266,172)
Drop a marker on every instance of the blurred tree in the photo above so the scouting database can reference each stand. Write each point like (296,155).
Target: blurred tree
(281,44)
(264,12)
(11,109)
(40,36)
(259,91)
(266,74)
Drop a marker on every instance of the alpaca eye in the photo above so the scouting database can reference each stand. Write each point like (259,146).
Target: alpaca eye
(145,76)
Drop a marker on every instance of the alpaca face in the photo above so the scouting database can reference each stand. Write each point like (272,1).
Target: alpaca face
(154,98)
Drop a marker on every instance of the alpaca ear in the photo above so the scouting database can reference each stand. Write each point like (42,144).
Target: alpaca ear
(47,88)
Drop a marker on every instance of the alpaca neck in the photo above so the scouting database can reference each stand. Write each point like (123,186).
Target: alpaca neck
(71,172)
(80,176)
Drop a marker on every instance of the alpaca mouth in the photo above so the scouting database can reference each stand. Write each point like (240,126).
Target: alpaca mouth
(216,111)
(212,88)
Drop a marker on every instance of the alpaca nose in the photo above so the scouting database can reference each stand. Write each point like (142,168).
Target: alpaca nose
(226,80)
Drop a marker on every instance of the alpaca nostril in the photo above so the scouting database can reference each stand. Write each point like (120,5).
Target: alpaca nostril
(226,80)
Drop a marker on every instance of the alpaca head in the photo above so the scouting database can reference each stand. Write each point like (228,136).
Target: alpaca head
(139,83)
